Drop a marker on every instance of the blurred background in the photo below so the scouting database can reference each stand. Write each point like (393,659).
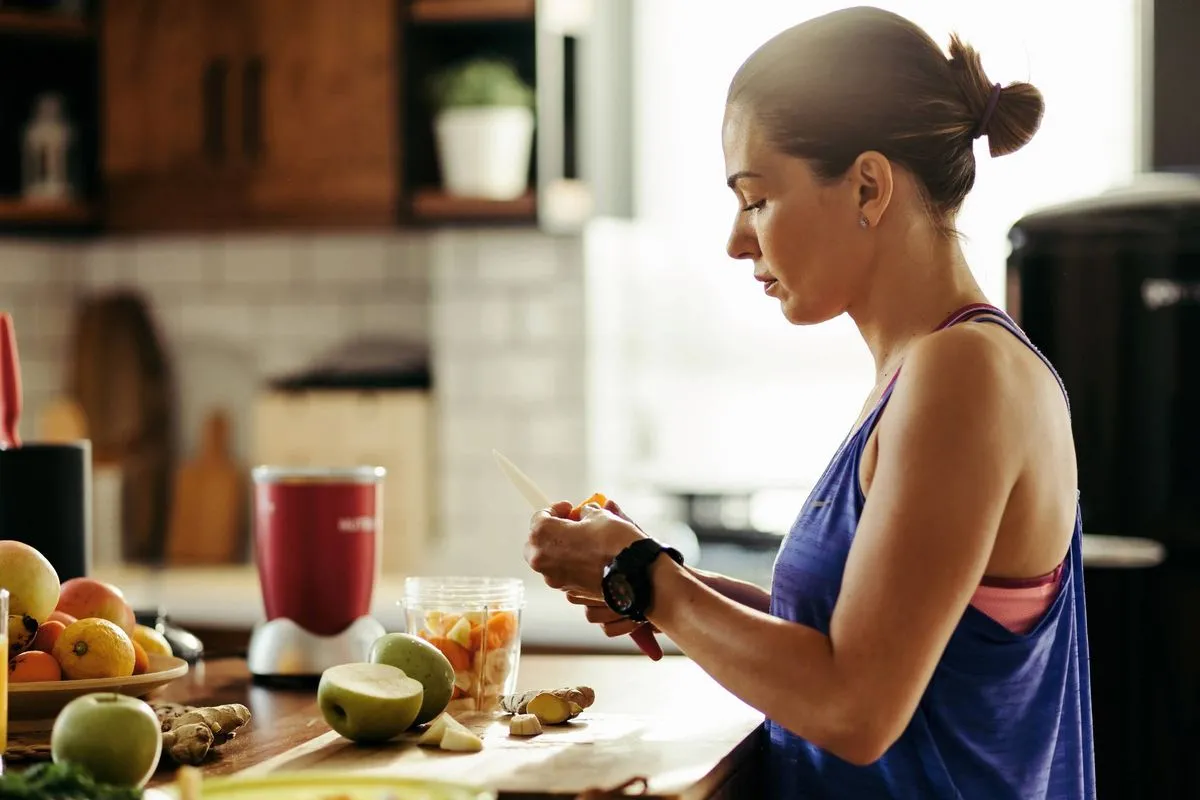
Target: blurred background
(406,232)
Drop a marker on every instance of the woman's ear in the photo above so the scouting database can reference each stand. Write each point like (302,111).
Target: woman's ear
(873,181)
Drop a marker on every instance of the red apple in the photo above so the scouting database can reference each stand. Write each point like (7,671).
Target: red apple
(87,597)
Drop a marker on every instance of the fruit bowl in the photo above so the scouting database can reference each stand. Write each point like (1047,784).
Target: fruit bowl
(42,700)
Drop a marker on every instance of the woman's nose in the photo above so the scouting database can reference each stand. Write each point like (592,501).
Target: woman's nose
(742,244)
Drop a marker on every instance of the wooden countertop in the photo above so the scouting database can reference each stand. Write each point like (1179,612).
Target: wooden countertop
(667,721)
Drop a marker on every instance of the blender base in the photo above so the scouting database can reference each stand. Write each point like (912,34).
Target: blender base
(281,648)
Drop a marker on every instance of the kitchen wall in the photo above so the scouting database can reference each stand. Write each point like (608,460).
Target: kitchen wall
(502,311)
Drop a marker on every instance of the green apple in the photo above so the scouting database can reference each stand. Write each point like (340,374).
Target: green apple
(114,737)
(369,702)
(422,661)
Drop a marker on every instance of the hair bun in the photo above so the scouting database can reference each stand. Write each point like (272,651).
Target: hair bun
(1015,111)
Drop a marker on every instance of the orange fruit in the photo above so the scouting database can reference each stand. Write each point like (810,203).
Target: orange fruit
(141,661)
(95,648)
(47,634)
(153,642)
(577,512)
(33,666)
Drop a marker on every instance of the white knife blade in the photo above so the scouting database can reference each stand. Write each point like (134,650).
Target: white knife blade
(522,482)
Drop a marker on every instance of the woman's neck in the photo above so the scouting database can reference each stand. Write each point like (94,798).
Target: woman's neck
(922,278)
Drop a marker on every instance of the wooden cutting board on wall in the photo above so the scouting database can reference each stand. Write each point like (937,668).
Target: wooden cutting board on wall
(207,511)
(121,379)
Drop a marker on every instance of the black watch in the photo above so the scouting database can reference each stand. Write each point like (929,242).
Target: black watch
(626,582)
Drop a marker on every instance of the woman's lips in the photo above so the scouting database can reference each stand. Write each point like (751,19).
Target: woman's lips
(769,286)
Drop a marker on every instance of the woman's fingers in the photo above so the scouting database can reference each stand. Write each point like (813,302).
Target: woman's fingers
(620,627)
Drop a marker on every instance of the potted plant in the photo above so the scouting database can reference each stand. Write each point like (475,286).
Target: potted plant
(483,126)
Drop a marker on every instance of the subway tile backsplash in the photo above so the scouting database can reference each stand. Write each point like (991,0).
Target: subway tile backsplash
(501,310)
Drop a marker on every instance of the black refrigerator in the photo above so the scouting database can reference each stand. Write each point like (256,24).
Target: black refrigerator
(1109,289)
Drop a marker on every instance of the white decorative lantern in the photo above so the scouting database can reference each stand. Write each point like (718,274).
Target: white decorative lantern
(48,140)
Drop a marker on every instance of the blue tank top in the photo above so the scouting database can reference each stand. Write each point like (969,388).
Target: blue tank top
(1005,715)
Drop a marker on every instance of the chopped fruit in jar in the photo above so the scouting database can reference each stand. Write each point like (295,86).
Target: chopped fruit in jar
(459,656)
(496,667)
(464,683)
(501,628)
(460,634)
(435,622)
(475,643)
(577,512)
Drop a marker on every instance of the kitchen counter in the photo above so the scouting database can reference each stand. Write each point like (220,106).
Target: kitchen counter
(666,721)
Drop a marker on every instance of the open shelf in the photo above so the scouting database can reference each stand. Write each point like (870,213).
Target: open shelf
(434,205)
(16,210)
(44,24)
(471,10)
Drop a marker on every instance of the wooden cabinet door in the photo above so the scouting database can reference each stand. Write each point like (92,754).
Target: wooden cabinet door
(169,114)
(321,119)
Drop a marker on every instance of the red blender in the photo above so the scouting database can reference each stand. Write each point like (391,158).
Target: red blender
(316,542)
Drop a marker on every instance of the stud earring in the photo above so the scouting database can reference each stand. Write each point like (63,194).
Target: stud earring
(863,222)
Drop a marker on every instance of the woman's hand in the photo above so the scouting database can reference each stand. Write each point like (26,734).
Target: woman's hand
(598,612)
(572,555)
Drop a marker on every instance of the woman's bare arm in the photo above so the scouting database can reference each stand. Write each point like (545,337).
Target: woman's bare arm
(948,459)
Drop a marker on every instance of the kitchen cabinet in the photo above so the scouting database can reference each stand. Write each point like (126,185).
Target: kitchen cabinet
(228,114)
(222,115)
(169,157)
(320,132)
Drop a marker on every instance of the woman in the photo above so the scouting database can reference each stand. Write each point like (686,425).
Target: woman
(924,634)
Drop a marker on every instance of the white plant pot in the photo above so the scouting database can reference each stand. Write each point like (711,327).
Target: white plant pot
(485,152)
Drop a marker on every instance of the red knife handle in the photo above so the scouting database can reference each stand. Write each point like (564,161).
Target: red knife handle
(644,637)
(10,384)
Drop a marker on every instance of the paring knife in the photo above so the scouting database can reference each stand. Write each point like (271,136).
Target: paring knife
(643,635)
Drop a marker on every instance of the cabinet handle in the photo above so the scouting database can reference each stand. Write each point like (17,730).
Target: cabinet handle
(216,74)
(252,108)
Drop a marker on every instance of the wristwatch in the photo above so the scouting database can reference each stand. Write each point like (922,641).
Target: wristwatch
(626,582)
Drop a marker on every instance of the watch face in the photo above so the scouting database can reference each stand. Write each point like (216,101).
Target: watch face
(620,592)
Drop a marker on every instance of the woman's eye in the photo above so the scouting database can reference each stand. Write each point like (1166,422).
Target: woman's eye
(754,206)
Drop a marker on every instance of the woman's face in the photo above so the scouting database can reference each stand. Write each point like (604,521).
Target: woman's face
(801,233)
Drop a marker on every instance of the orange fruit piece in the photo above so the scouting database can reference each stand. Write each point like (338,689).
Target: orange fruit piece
(501,629)
(33,666)
(46,636)
(141,661)
(597,498)
(459,656)
(475,642)
(95,648)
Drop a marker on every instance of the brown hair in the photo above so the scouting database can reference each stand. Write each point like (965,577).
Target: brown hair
(864,79)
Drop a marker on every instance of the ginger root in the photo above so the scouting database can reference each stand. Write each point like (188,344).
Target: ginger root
(550,706)
(524,725)
(189,734)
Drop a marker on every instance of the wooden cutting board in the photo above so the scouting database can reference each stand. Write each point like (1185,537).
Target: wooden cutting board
(688,742)
(208,502)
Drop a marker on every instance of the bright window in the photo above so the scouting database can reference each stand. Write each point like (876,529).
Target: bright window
(721,388)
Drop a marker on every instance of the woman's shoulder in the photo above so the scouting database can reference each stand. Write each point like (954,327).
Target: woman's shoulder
(969,360)
(978,384)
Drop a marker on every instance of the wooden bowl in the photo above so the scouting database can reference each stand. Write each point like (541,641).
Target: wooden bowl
(40,701)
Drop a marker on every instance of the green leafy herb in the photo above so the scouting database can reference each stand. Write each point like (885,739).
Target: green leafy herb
(49,781)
